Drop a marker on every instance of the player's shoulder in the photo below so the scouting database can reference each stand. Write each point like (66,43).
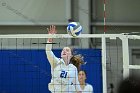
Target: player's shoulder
(72,66)
(89,85)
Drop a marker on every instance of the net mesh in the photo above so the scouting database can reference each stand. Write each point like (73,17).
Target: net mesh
(24,67)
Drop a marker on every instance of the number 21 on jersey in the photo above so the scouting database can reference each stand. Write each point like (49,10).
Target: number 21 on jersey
(63,74)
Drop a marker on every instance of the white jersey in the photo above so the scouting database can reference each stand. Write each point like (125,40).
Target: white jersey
(87,89)
(62,76)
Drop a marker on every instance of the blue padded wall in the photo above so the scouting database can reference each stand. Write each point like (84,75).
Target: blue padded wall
(28,71)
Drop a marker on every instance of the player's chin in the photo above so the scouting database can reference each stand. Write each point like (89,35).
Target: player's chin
(63,56)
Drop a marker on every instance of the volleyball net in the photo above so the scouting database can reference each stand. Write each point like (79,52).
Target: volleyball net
(25,68)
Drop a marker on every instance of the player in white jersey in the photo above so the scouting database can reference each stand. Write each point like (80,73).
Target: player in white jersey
(86,88)
(64,73)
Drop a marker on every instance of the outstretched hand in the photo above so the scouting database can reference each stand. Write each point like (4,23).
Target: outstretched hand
(52,30)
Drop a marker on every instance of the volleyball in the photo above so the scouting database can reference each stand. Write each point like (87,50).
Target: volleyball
(74,29)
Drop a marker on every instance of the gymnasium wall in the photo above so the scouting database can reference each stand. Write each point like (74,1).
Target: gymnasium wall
(28,70)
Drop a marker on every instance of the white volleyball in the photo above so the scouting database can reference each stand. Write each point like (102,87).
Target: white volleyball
(74,29)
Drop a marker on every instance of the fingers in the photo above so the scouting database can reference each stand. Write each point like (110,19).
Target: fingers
(52,27)
(48,30)
(52,30)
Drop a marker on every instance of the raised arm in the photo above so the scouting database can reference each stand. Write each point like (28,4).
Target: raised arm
(53,60)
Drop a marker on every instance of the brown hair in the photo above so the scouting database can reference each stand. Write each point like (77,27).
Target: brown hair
(77,60)
(83,71)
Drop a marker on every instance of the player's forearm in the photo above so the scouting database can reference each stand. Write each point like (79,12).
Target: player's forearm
(49,50)
(50,55)
(49,45)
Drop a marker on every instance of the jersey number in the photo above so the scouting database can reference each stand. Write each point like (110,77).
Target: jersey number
(63,74)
